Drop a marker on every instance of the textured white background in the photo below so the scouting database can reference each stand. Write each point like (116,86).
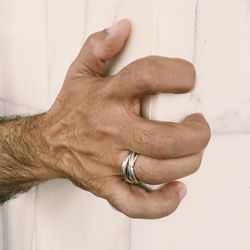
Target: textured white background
(39,39)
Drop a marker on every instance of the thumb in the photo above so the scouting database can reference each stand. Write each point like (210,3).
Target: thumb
(102,46)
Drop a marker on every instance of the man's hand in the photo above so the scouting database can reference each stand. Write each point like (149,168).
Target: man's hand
(95,121)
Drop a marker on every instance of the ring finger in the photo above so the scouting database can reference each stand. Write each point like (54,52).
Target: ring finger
(157,171)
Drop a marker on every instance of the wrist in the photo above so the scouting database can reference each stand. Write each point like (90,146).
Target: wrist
(22,141)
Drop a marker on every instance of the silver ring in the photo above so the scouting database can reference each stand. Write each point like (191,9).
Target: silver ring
(127,168)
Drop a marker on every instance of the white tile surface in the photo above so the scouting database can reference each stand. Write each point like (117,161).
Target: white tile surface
(77,220)
(19,216)
(38,40)
(57,215)
(23,60)
(222,59)
(64,38)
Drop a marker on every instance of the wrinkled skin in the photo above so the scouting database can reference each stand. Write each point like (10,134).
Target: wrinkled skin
(95,121)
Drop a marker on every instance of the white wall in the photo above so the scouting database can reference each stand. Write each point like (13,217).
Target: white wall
(215,35)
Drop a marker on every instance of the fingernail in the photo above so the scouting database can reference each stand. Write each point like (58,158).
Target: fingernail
(116,26)
(182,190)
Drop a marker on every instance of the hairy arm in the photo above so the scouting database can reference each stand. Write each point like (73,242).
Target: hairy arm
(21,165)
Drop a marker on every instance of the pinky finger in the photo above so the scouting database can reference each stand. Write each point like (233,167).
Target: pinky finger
(136,202)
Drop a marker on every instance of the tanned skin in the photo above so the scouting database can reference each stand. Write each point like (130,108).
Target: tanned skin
(95,122)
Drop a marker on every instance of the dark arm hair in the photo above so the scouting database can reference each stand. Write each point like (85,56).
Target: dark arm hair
(10,118)
(19,153)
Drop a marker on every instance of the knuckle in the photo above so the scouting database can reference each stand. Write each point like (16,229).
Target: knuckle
(124,81)
(196,163)
(146,173)
(150,140)
(151,178)
(144,73)
(93,129)
(94,99)
(201,128)
(132,135)
(166,148)
(143,137)
(161,142)
(172,144)
(96,125)
(91,40)
(205,133)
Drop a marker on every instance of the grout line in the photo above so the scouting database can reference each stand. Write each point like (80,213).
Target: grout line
(85,19)
(153,52)
(195,30)
(194,52)
(117,11)
(46,16)
(33,240)
(5,227)
(214,133)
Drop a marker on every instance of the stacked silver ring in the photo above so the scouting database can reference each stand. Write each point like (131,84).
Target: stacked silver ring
(127,168)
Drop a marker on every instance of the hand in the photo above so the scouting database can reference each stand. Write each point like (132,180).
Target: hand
(95,121)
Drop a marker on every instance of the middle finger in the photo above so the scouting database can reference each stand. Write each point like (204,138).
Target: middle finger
(165,140)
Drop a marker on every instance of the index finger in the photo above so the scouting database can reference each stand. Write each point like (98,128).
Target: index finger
(154,74)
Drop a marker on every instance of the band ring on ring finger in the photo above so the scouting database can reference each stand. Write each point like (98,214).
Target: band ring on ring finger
(127,168)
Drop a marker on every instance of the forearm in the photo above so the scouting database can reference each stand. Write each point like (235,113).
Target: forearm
(21,154)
